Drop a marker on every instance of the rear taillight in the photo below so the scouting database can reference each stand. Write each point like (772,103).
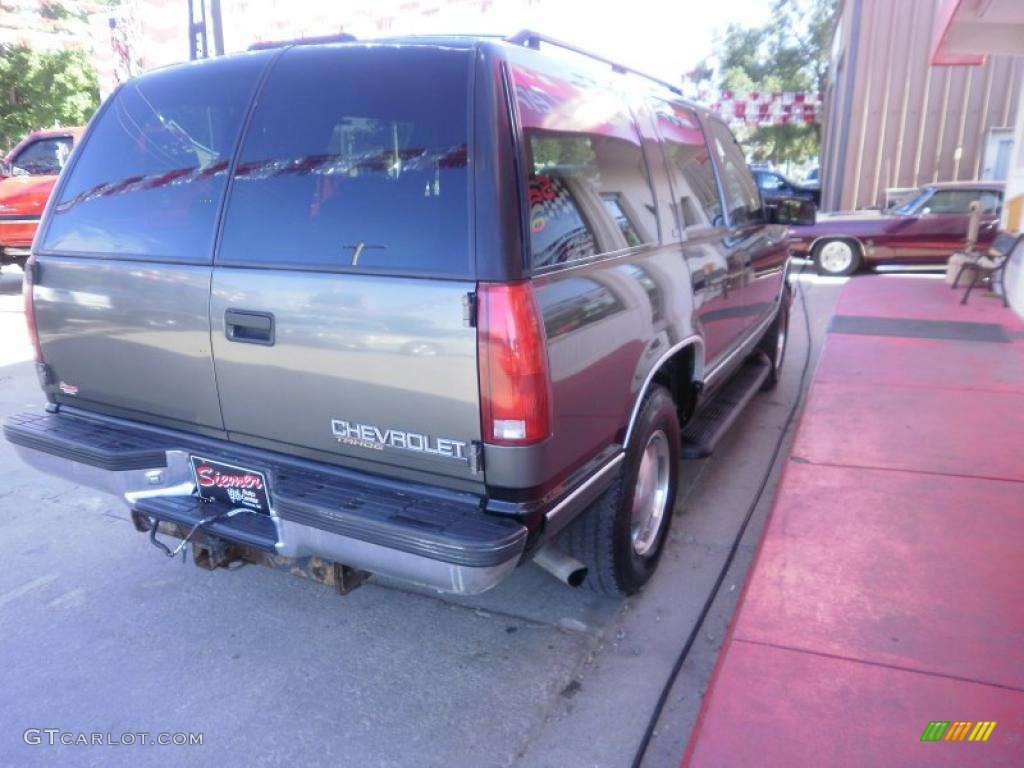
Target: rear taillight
(30,311)
(515,388)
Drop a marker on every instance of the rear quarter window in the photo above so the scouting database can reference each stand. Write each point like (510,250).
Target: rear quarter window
(590,192)
(149,180)
(356,160)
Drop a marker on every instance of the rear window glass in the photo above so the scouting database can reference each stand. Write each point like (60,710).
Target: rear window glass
(356,160)
(150,178)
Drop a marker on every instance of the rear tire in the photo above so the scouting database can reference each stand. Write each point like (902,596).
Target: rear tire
(621,536)
(774,341)
(837,257)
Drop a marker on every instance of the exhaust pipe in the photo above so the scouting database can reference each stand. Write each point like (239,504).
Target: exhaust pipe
(563,567)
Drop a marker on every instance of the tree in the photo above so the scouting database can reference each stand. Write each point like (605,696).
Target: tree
(39,89)
(790,53)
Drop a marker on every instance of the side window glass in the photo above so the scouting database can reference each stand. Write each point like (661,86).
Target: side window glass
(947,201)
(991,203)
(693,177)
(590,192)
(46,156)
(769,182)
(742,198)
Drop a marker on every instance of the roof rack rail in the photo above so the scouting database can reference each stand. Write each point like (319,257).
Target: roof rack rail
(265,45)
(530,39)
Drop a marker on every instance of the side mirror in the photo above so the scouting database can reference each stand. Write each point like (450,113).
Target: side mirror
(5,170)
(792,212)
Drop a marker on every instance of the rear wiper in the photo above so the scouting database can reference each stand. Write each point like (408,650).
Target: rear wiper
(358,248)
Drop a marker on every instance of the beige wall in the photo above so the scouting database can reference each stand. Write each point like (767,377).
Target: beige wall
(891,120)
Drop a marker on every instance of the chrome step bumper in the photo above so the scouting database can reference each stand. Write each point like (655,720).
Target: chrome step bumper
(419,534)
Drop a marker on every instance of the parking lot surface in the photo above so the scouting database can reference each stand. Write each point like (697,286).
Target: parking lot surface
(104,634)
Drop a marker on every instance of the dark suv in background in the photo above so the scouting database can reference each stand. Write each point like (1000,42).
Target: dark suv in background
(774,185)
(427,308)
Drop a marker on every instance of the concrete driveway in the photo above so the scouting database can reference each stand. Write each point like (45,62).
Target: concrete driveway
(101,633)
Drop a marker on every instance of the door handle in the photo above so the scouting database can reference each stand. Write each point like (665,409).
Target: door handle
(247,327)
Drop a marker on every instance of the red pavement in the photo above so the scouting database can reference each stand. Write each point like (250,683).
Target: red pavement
(888,588)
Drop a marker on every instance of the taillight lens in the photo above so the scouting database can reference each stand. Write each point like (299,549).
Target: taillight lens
(30,312)
(515,388)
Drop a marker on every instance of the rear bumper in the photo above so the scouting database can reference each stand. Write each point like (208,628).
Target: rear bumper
(419,534)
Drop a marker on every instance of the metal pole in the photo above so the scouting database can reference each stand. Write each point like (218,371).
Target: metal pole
(191,32)
(198,48)
(218,28)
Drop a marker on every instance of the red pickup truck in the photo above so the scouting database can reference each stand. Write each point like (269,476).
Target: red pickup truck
(27,176)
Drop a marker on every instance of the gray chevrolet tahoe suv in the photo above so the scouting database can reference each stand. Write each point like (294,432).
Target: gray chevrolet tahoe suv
(427,308)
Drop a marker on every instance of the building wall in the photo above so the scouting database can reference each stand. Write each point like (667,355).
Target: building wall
(892,120)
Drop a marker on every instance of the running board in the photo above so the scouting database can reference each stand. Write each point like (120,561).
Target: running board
(712,420)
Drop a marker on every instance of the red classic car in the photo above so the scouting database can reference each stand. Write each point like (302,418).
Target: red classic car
(28,174)
(926,229)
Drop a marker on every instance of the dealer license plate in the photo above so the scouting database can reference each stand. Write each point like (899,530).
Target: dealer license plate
(231,485)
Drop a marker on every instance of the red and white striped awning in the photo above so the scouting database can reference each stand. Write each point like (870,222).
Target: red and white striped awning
(763,108)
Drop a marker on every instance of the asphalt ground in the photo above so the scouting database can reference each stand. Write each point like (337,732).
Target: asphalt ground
(103,634)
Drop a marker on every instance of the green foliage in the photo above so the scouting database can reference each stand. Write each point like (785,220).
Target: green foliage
(790,53)
(53,10)
(562,153)
(38,89)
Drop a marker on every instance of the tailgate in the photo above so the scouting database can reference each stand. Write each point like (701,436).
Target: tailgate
(133,338)
(379,369)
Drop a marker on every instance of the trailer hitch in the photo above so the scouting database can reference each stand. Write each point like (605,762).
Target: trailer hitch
(228,513)
(211,552)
